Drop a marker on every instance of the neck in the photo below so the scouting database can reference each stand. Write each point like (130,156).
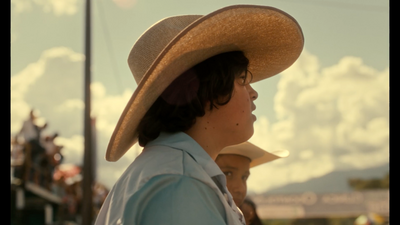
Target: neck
(208,137)
(205,142)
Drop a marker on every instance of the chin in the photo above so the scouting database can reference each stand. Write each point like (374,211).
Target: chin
(250,133)
(238,202)
(242,136)
(247,137)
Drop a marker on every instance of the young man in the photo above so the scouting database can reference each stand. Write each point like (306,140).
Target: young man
(235,162)
(193,99)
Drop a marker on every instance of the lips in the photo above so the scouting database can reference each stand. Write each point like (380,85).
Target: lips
(253,107)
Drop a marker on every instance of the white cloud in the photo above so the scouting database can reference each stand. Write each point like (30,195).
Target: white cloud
(263,134)
(19,6)
(306,154)
(58,7)
(72,148)
(125,4)
(328,118)
(97,90)
(71,105)
(21,83)
(52,85)
(107,108)
(280,172)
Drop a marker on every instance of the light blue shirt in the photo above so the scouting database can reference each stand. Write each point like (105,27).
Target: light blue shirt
(169,183)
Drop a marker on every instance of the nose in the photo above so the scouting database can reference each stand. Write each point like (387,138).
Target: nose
(253,93)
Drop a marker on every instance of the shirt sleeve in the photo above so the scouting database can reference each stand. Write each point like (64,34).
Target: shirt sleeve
(174,200)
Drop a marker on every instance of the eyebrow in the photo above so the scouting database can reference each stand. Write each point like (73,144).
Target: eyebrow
(229,167)
(232,168)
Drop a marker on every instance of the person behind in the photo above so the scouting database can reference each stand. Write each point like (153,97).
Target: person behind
(235,162)
(31,130)
(52,160)
(193,99)
(31,133)
(249,210)
(17,157)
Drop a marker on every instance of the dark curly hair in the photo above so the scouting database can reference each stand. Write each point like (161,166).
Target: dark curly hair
(256,220)
(177,108)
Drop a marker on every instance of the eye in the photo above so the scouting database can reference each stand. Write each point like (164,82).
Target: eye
(228,173)
(244,178)
(245,78)
(242,80)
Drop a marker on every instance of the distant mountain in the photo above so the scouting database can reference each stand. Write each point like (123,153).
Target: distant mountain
(332,182)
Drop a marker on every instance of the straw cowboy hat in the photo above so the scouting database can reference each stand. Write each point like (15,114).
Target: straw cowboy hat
(257,155)
(271,39)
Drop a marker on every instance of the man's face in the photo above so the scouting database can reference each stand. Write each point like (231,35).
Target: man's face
(236,169)
(235,119)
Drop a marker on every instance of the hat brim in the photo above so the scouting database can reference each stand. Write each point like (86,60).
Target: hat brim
(257,155)
(271,39)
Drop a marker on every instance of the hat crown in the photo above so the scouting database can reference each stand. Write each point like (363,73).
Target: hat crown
(152,42)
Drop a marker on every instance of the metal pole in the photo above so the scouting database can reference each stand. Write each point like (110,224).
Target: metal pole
(87,208)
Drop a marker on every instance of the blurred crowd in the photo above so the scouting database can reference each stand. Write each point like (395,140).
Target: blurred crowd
(36,158)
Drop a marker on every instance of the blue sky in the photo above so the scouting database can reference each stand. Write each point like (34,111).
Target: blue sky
(330,109)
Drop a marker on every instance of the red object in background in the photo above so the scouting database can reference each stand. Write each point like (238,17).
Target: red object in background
(66,171)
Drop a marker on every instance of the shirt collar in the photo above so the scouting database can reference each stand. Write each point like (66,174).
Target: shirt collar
(184,142)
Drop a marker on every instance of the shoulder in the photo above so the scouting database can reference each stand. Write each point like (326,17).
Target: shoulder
(156,161)
(159,160)
(166,182)
(175,199)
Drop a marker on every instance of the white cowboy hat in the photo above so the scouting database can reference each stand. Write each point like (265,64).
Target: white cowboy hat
(257,155)
(271,39)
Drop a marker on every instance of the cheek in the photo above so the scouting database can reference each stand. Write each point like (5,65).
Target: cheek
(240,104)
(236,116)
